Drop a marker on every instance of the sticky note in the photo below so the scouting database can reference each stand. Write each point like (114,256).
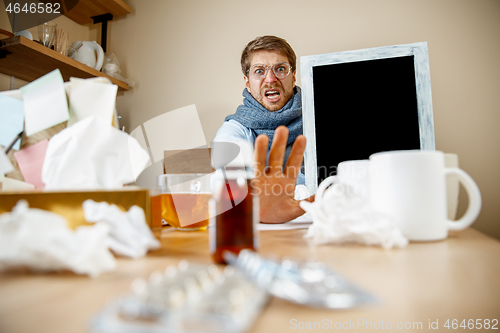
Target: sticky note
(9,184)
(30,162)
(45,103)
(11,120)
(91,98)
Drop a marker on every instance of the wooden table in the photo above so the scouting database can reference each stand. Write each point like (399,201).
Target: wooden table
(426,282)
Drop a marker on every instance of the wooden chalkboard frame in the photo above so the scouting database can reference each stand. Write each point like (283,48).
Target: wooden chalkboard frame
(419,51)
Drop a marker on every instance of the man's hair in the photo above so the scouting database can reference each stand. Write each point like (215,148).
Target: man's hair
(267,43)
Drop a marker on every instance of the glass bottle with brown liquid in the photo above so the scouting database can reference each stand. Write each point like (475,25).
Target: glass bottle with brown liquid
(234,214)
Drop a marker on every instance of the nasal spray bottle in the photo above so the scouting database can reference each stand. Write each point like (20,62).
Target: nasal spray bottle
(234,207)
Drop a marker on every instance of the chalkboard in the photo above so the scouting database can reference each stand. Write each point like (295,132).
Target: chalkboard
(357,103)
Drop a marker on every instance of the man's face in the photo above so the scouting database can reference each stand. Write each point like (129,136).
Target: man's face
(270,91)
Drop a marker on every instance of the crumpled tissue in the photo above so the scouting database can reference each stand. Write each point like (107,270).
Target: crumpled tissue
(42,241)
(129,234)
(92,154)
(301,192)
(340,215)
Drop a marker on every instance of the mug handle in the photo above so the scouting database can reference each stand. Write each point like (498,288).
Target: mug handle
(322,187)
(474,200)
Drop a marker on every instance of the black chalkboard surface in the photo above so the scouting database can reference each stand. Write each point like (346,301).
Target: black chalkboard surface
(362,108)
(357,103)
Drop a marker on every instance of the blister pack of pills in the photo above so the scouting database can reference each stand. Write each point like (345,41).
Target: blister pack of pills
(307,283)
(189,298)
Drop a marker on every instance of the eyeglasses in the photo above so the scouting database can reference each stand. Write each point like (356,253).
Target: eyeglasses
(281,70)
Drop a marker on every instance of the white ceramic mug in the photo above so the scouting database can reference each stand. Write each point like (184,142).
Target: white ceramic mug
(355,173)
(410,185)
(452,185)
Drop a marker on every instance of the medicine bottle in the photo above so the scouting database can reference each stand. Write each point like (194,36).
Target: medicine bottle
(234,207)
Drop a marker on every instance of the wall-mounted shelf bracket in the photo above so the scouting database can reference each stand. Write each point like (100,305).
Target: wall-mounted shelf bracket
(104,18)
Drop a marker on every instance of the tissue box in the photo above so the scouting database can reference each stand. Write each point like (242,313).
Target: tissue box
(69,203)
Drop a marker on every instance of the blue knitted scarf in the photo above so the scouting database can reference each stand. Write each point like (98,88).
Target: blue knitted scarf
(262,121)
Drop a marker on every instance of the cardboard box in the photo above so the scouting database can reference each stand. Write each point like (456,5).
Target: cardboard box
(69,203)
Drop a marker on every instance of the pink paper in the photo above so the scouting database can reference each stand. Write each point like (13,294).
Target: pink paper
(30,161)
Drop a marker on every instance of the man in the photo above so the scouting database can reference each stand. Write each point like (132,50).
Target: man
(271,99)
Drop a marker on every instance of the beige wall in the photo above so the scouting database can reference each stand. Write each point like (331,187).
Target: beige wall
(187,52)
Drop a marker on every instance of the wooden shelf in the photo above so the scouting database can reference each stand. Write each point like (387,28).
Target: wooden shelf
(82,13)
(28,60)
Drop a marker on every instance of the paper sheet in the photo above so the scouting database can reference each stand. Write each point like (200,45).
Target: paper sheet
(45,103)
(30,162)
(91,97)
(139,136)
(283,226)
(5,165)
(11,120)
(301,222)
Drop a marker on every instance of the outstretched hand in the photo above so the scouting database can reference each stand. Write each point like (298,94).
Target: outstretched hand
(275,184)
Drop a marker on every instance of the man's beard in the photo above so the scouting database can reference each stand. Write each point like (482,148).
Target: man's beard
(285,97)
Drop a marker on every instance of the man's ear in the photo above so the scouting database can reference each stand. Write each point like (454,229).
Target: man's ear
(247,83)
(294,78)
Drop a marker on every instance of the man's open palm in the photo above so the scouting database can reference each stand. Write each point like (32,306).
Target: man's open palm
(275,184)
